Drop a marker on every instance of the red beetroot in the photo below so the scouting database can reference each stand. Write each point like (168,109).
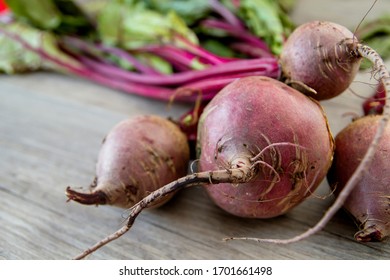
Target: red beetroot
(320,55)
(369,201)
(256,113)
(138,156)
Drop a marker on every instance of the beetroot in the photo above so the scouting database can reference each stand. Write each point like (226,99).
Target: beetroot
(261,123)
(319,59)
(138,156)
(369,201)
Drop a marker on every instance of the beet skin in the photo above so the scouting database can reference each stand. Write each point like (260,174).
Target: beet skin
(320,55)
(138,156)
(369,202)
(249,115)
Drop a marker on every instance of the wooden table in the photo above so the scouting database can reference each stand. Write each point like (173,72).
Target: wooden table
(50,132)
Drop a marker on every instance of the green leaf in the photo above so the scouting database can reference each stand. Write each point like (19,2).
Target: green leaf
(15,58)
(189,10)
(59,16)
(158,63)
(41,13)
(381,44)
(376,34)
(134,26)
(218,48)
(265,19)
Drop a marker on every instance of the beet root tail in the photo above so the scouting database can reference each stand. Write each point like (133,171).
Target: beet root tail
(372,233)
(93,198)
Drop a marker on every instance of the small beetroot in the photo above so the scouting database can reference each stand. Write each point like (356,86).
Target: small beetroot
(320,56)
(138,156)
(369,201)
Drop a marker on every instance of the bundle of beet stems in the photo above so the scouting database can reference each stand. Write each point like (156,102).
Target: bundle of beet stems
(196,71)
(196,74)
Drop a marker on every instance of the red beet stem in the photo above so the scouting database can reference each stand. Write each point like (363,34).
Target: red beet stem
(242,35)
(153,86)
(175,79)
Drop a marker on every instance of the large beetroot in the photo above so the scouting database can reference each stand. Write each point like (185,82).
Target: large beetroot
(369,201)
(261,123)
